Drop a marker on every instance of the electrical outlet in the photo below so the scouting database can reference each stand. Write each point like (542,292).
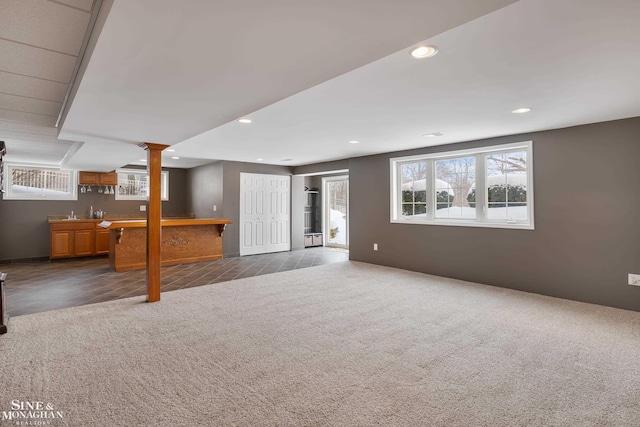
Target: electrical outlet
(375,246)
(143,208)
(634,279)
(215,208)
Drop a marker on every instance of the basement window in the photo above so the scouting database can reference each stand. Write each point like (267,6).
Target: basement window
(133,184)
(483,187)
(24,182)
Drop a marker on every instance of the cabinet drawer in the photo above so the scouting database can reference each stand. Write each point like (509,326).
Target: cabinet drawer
(73,225)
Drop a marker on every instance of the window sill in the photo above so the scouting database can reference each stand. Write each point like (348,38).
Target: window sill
(462,223)
(9,196)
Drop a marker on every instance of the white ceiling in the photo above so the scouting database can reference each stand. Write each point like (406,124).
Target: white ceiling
(164,71)
(572,61)
(33,144)
(314,75)
(40,41)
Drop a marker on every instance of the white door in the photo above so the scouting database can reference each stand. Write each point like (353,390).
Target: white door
(264,213)
(253,221)
(279,199)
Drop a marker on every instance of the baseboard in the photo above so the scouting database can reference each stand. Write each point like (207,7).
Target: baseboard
(231,255)
(24,260)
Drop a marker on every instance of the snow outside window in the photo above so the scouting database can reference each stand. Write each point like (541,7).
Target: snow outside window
(37,183)
(133,184)
(484,187)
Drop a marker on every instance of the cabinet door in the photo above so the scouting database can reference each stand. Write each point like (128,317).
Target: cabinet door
(84,242)
(61,244)
(109,178)
(102,242)
(88,178)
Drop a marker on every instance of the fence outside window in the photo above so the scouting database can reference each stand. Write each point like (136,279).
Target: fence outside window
(133,184)
(41,179)
(35,183)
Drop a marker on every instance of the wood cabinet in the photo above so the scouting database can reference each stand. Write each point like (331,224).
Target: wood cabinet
(61,243)
(83,242)
(88,178)
(73,239)
(110,178)
(83,237)
(102,241)
(183,241)
(98,178)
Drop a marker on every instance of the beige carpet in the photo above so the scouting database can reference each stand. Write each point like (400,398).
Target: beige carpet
(340,344)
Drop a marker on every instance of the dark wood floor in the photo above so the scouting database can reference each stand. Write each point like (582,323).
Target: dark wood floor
(43,286)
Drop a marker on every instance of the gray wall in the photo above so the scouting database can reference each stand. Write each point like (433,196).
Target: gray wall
(219,183)
(204,188)
(231,197)
(24,231)
(587,233)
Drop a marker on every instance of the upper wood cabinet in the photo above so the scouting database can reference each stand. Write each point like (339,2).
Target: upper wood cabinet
(98,178)
(88,178)
(110,178)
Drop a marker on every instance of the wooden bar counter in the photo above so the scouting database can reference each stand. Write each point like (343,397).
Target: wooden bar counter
(183,241)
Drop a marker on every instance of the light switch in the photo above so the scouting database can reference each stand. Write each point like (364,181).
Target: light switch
(143,208)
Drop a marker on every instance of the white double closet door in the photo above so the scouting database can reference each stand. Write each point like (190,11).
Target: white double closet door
(265,214)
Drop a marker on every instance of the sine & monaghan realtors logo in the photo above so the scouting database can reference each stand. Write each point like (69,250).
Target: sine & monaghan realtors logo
(23,413)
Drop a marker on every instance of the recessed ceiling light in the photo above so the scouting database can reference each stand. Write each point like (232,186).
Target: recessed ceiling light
(245,121)
(171,150)
(423,52)
(521,110)
(354,142)
(175,158)
(259,160)
(143,160)
(286,160)
(431,135)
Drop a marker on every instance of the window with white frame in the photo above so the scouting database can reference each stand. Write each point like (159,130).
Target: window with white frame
(483,187)
(133,184)
(23,182)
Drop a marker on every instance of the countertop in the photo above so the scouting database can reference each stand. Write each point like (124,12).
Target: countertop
(168,222)
(59,219)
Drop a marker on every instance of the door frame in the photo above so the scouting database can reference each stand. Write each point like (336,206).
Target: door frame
(326,216)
